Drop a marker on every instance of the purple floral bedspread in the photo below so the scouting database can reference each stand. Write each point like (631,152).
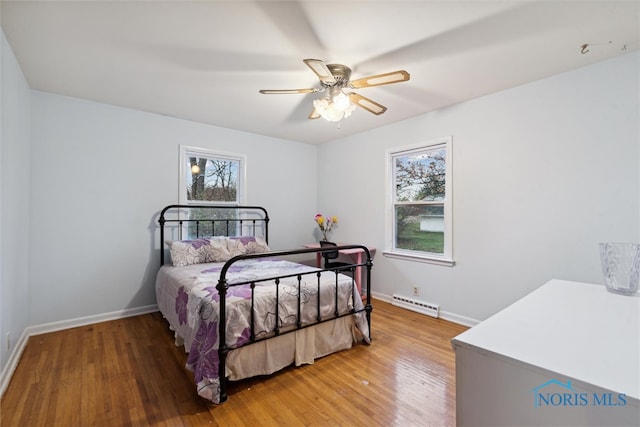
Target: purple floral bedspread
(197,310)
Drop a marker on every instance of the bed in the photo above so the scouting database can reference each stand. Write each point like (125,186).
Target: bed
(241,309)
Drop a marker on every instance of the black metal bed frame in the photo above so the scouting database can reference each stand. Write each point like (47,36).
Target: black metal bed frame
(253,224)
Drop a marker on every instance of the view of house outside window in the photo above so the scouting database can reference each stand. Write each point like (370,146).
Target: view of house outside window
(420,188)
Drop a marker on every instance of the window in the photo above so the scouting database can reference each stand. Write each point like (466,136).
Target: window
(207,177)
(420,202)
(210,178)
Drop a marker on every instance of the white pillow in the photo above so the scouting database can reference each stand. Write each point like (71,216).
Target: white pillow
(246,245)
(198,251)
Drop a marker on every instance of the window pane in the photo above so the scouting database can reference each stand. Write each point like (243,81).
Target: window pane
(210,179)
(420,176)
(211,222)
(420,228)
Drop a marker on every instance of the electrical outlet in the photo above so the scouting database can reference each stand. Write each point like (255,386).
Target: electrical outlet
(416,291)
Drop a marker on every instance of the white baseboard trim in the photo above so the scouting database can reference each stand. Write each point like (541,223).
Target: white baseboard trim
(445,315)
(88,320)
(12,363)
(14,358)
(456,318)
(382,297)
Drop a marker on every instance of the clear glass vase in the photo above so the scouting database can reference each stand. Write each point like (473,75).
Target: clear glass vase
(620,267)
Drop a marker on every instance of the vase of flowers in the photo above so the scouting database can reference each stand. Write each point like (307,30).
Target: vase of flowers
(325,224)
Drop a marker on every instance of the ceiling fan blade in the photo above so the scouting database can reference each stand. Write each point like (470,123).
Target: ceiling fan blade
(381,79)
(314,114)
(320,69)
(286,91)
(367,104)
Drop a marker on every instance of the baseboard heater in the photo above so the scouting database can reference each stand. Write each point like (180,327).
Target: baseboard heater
(413,304)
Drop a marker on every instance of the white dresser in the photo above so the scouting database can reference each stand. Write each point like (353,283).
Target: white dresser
(566,354)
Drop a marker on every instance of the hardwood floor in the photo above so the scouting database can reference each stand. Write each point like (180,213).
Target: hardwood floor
(129,373)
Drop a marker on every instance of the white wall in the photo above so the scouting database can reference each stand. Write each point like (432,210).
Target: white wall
(542,173)
(101,174)
(14,200)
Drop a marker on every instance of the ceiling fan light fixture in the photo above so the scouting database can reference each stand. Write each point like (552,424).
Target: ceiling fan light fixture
(341,102)
(334,107)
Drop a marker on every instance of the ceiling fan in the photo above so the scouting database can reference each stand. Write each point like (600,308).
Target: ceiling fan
(335,79)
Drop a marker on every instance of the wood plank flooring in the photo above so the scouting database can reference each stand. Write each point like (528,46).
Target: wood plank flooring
(128,372)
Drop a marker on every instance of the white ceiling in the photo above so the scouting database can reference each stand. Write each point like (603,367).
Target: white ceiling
(206,60)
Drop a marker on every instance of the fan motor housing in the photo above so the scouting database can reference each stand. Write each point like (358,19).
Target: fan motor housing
(340,72)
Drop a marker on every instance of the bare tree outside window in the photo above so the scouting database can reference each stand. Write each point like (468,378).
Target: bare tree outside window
(212,180)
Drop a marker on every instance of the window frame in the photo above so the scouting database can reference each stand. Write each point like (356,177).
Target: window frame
(186,151)
(391,251)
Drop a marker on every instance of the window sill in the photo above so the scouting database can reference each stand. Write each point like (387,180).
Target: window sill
(420,258)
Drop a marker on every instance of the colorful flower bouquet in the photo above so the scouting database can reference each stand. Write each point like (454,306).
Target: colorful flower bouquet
(325,224)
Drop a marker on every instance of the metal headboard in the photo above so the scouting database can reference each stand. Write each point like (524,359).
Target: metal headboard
(212,220)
